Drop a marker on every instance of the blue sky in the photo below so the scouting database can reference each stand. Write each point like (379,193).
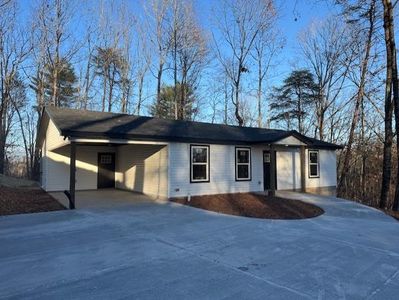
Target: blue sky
(295,16)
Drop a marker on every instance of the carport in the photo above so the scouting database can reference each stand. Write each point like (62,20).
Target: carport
(95,164)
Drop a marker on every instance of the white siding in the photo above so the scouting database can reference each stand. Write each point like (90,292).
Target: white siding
(143,168)
(53,137)
(57,164)
(288,163)
(328,170)
(290,140)
(222,171)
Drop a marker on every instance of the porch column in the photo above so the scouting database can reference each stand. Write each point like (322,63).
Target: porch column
(272,190)
(72,175)
(303,173)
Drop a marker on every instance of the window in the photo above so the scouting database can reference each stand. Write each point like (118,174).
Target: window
(106,159)
(243,164)
(199,163)
(266,157)
(313,163)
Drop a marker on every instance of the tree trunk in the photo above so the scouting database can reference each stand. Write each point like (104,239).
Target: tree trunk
(260,92)
(237,110)
(26,148)
(392,64)
(237,98)
(159,83)
(359,98)
(321,125)
(2,144)
(3,131)
(140,96)
(387,160)
(104,94)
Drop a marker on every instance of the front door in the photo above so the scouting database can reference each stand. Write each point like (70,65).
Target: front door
(266,170)
(106,170)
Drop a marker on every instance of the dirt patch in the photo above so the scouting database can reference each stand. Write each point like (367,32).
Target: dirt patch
(26,200)
(16,182)
(253,206)
(393,214)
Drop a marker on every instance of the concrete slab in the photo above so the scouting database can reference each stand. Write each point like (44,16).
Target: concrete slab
(142,249)
(102,198)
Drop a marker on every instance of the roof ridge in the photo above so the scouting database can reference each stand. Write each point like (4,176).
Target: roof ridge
(162,119)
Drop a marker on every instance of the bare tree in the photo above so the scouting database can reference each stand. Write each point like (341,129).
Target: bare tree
(366,39)
(324,46)
(266,47)
(191,54)
(143,61)
(239,23)
(392,86)
(14,49)
(157,28)
(87,74)
(126,23)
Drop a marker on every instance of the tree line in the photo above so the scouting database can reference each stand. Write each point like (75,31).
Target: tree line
(161,58)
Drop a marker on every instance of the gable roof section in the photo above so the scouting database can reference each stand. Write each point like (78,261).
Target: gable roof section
(93,124)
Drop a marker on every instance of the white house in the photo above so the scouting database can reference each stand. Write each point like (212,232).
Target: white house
(85,150)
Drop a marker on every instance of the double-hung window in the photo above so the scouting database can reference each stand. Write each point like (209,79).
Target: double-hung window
(243,163)
(199,163)
(314,169)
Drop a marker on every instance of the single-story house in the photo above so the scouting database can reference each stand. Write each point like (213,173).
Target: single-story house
(85,150)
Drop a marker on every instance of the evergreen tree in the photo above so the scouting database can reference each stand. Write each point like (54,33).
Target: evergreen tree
(165,106)
(293,99)
(109,63)
(66,90)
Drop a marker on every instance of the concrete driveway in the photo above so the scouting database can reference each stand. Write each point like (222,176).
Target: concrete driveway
(149,250)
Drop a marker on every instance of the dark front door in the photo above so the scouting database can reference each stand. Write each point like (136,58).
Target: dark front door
(266,170)
(267,161)
(106,170)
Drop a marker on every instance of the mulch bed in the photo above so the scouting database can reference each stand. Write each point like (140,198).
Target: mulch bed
(253,206)
(26,200)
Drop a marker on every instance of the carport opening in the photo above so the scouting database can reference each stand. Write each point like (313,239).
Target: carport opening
(136,167)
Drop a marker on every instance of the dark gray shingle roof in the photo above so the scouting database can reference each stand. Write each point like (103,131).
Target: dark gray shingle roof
(93,124)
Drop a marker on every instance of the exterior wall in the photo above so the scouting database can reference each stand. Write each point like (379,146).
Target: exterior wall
(57,167)
(143,168)
(222,171)
(289,171)
(53,137)
(290,140)
(221,175)
(288,165)
(327,172)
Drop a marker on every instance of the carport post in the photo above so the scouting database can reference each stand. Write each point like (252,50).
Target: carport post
(303,178)
(72,175)
(272,190)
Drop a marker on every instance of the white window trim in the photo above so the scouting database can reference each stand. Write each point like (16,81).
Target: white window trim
(312,164)
(243,164)
(192,163)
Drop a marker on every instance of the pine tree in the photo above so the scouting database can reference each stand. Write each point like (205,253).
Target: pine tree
(165,106)
(292,100)
(66,84)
